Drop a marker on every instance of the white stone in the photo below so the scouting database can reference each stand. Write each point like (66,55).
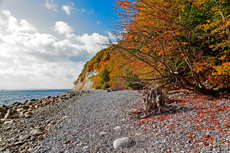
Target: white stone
(122,142)
(117,128)
(85,147)
(138,134)
(103,133)
(9,122)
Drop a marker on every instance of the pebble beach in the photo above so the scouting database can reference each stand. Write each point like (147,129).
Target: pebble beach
(98,121)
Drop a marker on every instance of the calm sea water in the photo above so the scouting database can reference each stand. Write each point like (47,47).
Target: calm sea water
(8,97)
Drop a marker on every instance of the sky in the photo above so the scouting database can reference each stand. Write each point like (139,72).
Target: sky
(44,44)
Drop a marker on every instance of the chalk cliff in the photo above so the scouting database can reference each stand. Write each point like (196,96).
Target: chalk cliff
(87,83)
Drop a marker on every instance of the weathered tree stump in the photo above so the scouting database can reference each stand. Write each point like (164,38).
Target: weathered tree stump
(153,101)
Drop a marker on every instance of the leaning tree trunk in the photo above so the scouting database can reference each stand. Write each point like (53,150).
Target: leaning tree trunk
(153,101)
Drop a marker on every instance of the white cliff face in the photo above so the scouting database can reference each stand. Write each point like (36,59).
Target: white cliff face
(89,74)
(86,83)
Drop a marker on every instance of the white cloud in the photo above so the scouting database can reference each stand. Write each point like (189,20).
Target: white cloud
(13,25)
(63,28)
(92,42)
(83,10)
(98,22)
(21,49)
(38,76)
(2,63)
(34,45)
(67,9)
(51,5)
(16,61)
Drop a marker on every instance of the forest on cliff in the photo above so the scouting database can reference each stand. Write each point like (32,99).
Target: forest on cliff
(176,44)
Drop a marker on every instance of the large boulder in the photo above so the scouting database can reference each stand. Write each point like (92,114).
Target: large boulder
(122,142)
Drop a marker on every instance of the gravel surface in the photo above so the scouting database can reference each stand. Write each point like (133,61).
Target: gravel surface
(91,124)
(83,123)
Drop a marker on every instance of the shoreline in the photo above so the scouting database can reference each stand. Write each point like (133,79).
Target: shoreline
(17,121)
(8,97)
(94,121)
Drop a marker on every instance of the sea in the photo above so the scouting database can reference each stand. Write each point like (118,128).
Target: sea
(8,97)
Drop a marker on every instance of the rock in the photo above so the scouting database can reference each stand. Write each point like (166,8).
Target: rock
(9,122)
(25,146)
(28,114)
(33,100)
(50,125)
(138,134)
(3,110)
(36,106)
(17,104)
(4,148)
(19,109)
(85,147)
(32,138)
(9,114)
(6,107)
(25,102)
(30,149)
(22,138)
(30,103)
(45,103)
(25,107)
(117,128)
(21,114)
(122,142)
(38,131)
(103,133)
(12,145)
(47,97)
(19,143)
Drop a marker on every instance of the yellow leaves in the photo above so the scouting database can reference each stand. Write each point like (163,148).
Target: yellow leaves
(211,46)
(223,69)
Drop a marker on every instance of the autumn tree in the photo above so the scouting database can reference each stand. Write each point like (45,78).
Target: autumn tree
(164,35)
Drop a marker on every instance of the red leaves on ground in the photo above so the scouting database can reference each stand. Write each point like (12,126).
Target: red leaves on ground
(206,115)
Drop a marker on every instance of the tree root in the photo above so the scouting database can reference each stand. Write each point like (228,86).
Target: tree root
(153,100)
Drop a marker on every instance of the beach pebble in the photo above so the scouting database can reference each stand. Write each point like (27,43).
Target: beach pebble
(25,107)
(9,114)
(36,132)
(85,147)
(28,114)
(19,143)
(122,142)
(22,138)
(103,133)
(30,149)
(3,110)
(30,103)
(45,103)
(9,122)
(17,104)
(4,148)
(117,128)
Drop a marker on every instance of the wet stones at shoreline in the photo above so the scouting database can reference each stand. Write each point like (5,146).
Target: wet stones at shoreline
(19,110)
(22,124)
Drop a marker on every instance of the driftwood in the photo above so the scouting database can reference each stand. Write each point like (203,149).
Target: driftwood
(153,101)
